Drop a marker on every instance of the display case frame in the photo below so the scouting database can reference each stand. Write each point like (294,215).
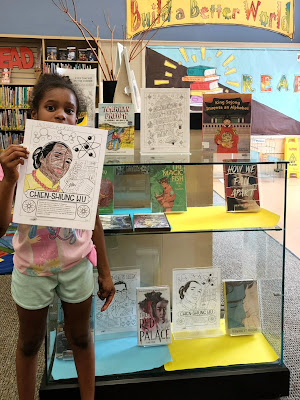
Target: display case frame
(267,380)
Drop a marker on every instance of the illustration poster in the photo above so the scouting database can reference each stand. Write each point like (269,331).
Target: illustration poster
(118,120)
(226,124)
(59,183)
(165,121)
(120,317)
(85,81)
(271,75)
(196,298)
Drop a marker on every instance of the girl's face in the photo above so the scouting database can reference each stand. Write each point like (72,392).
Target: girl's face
(57,105)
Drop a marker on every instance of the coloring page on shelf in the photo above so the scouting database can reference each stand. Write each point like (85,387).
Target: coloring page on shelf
(196,298)
(85,81)
(165,121)
(59,183)
(120,316)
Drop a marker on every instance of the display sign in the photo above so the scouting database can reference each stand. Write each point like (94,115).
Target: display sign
(273,15)
(291,154)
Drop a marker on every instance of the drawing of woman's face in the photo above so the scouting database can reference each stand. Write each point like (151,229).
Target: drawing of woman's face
(161,310)
(56,163)
(193,292)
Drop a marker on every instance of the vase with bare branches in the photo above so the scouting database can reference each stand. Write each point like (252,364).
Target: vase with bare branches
(136,46)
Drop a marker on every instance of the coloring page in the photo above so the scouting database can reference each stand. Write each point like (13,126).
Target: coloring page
(196,298)
(165,121)
(59,183)
(121,314)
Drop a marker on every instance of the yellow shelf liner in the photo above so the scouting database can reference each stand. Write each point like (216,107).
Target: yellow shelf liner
(219,352)
(215,217)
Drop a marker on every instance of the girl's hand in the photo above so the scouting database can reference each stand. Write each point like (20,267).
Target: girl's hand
(106,290)
(10,159)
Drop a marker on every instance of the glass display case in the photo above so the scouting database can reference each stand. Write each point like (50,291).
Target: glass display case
(243,245)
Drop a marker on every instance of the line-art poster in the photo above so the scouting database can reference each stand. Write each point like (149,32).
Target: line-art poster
(120,317)
(165,121)
(196,299)
(59,183)
(85,81)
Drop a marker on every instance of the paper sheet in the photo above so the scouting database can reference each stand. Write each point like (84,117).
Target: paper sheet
(209,218)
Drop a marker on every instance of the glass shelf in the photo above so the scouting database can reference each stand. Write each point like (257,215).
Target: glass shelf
(195,157)
(72,61)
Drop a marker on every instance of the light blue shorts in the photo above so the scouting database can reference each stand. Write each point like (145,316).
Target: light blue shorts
(35,292)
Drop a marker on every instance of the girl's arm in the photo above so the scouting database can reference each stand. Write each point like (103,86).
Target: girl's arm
(9,160)
(106,286)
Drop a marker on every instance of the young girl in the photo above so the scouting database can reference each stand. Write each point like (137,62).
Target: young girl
(49,260)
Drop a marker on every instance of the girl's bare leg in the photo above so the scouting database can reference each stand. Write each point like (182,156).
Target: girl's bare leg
(31,335)
(77,329)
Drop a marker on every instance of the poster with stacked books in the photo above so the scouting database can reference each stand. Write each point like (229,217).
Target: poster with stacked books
(203,80)
(153,315)
(165,121)
(242,309)
(241,187)
(168,188)
(120,317)
(226,125)
(118,120)
(196,299)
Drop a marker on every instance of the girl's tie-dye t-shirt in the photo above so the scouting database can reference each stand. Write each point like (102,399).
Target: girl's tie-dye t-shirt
(44,250)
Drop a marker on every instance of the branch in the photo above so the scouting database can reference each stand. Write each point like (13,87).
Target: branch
(62,5)
(141,36)
(107,20)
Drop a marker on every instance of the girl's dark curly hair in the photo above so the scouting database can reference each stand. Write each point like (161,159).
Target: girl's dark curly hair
(51,81)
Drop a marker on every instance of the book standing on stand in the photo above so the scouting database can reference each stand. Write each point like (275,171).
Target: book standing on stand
(118,120)
(168,189)
(153,316)
(241,187)
(242,311)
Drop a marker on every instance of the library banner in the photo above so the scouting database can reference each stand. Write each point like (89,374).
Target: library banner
(273,15)
(271,75)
